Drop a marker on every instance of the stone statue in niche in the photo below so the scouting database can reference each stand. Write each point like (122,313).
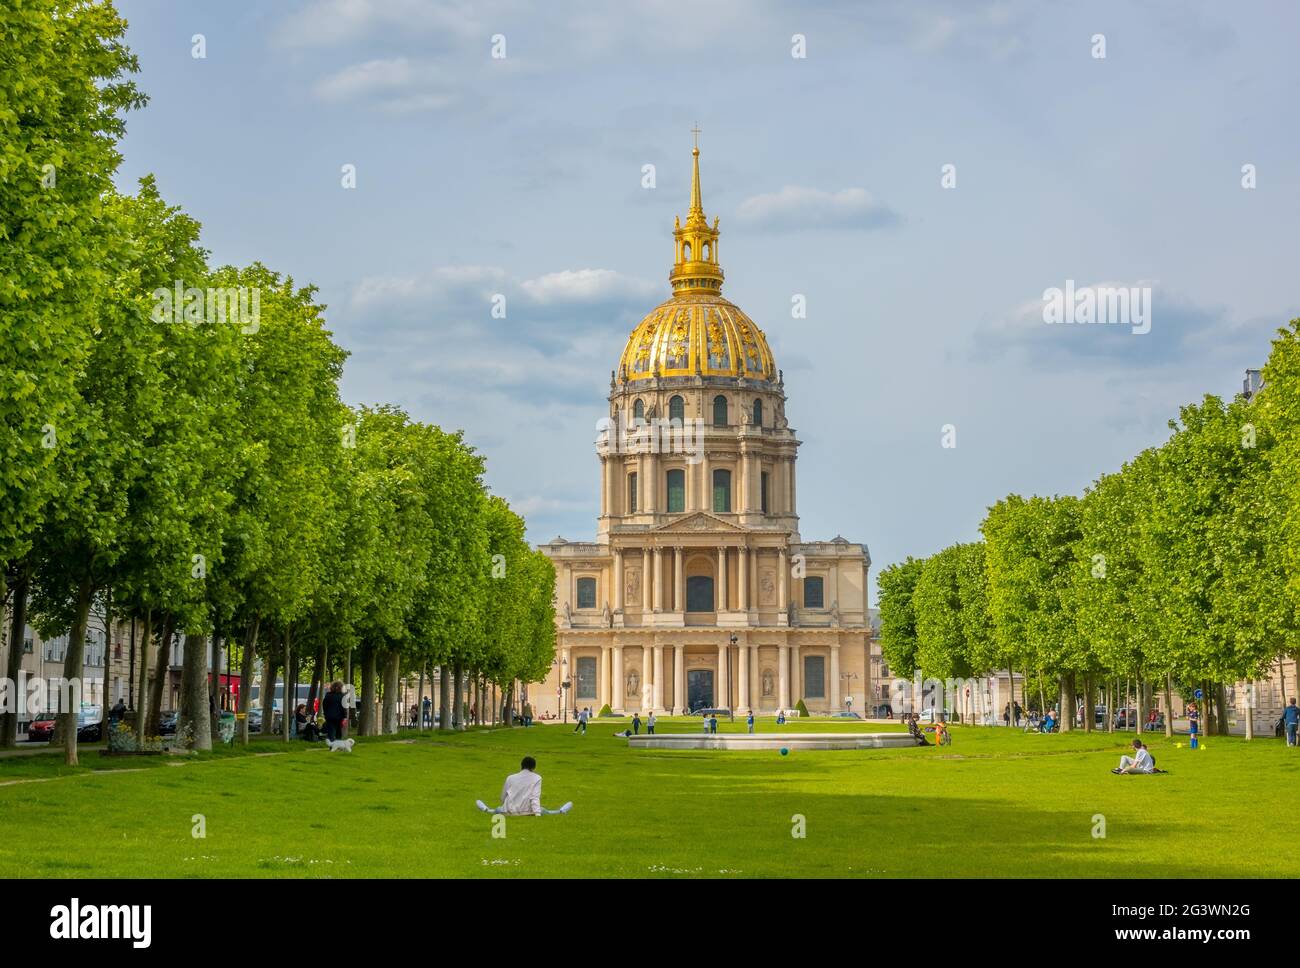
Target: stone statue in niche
(567,615)
(767,587)
(769,683)
(633,684)
(835,612)
(633,585)
(606,619)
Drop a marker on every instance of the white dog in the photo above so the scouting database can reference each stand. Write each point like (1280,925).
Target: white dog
(340,745)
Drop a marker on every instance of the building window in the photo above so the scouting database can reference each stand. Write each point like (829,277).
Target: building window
(699,593)
(586,593)
(814,677)
(586,684)
(638,410)
(884,671)
(676,491)
(631,493)
(722,491)
(719,411)
(813,593)
(762,491)
(758,413)
(677,409)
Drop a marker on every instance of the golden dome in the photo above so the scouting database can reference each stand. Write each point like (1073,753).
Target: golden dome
(696,332)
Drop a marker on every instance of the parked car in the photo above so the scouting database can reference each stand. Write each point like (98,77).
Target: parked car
(168,720)
(89,725)
(1126,718)
(255,720)
(1099,717)
(41,729)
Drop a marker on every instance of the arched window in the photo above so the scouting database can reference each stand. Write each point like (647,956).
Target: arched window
(586,593)
(722,491)
(699,593)
(631,493)
(762,491)
(686,252)
(638,410)
(813,592)
(677,409)
(706,252)
(719,411)
(676,491)
(758,413)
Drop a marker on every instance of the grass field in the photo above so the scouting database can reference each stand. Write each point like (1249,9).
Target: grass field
(996,803)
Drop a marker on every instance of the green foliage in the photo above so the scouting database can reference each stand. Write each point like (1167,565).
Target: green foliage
(803,709)
(898,643)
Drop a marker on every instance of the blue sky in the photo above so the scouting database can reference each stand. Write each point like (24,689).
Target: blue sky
(522,175)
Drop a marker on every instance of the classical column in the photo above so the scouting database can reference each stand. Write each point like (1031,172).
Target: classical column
(787,485)
(753,577)
(645,579)
(783,677)
(646,660)
(618,579)
(679,581)
(742,481)
(604,691)
(616,679)
(782,575)
(658,694)
(659,584)
(605,509)
(723,601)
(796,674)
(836,691)
(723,698)
(706,478)
(679,677)
(742,677)
(755,674)
(792,488)
(652,483)
(742,580)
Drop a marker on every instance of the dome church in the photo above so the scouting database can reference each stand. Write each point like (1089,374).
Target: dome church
(698,591)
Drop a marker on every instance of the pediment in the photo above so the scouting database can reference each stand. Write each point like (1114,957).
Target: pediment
(697,523)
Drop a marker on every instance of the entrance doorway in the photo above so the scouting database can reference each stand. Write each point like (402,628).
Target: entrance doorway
(699,689)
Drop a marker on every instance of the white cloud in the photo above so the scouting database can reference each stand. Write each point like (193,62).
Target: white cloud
(396,85)
(797,207)
(584,287)
(327,23)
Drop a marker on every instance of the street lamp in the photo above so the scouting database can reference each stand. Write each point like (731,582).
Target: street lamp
(848,678)
(730,708)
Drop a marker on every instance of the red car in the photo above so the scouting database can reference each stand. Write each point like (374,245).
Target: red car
(40,729)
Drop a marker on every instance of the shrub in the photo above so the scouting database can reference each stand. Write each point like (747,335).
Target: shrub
(605,711)
(803,710)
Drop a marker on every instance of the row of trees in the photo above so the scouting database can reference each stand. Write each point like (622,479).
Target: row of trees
(1179,571)
(187,462)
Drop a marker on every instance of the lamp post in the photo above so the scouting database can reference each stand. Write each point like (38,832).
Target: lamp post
(562,689)
(848,678)
(730,708)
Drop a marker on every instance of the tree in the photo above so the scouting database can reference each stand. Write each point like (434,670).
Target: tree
(898,643)
(64,90)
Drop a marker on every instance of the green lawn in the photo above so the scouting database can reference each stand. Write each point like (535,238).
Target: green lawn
(996,803)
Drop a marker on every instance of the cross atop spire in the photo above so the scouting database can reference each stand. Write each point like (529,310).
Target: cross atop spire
(696,268)
(696,132)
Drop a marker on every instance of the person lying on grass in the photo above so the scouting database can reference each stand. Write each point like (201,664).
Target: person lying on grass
(1141,762)
(522,794)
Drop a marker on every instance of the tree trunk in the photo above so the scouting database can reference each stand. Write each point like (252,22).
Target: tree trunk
(270,669)
(1250,709)
(367,710)
(1088,713)
(1068,714)
(142,688)
(317,678)
(194,693)
(444,697)
(1141,707)
(1221,709)
(74,666)
(508,710)
(1169,705)
(214,690)
(9,720)
(162,663)
(419,701)
(392,670)
(290,702)
(458,696)
(246,678)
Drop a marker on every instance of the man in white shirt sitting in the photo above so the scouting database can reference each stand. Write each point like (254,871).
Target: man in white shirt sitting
(1140,762)
(522,794)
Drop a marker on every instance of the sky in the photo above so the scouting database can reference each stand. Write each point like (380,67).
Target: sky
(921,174)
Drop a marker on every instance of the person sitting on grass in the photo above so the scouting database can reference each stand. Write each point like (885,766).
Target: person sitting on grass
(522,794)
(1049,722)
(1141,762)
(914,730)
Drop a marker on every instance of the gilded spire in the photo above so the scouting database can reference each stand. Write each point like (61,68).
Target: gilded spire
(696,268)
